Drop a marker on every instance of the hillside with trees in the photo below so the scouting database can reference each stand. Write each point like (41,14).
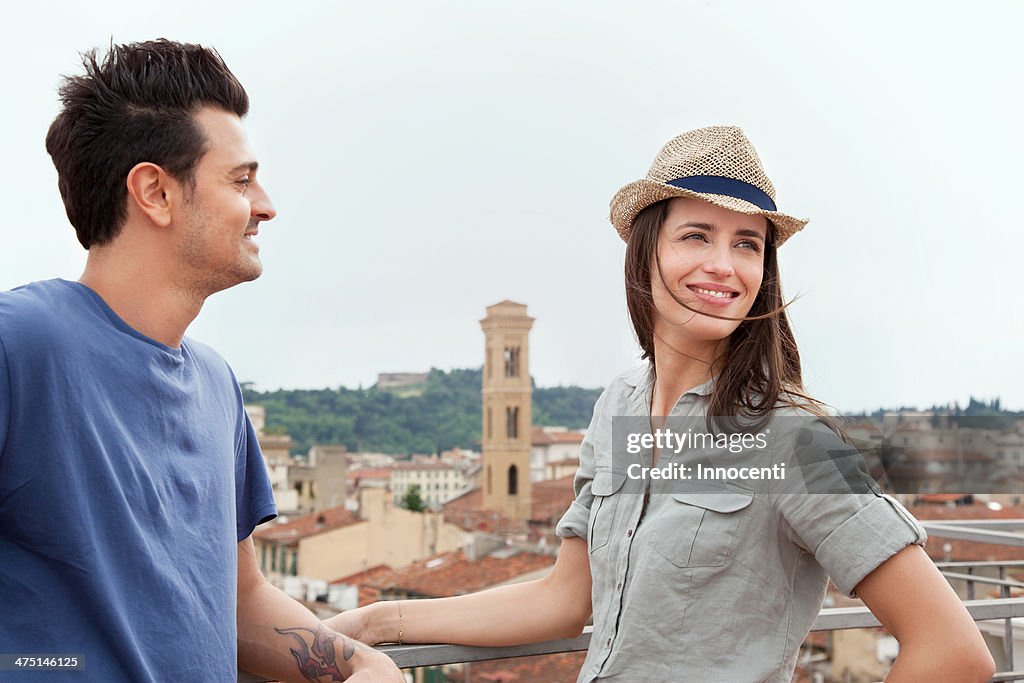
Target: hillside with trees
(445,412)
(442,413)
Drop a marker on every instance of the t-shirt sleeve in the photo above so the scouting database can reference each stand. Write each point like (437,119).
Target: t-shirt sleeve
(576,519)
(849,533)
(254,497)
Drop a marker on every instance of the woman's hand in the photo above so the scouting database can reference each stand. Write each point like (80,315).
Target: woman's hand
(354,623)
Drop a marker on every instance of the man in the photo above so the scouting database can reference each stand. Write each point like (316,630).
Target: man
(130,476)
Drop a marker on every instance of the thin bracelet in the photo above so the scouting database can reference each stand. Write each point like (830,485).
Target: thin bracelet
(401,627)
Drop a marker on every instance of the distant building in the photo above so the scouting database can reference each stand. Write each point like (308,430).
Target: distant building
(400,380)
(554,452)
(277,457)
(929,452)
(336,542)
(358,461)
(320,481)
(369,477)
(1009,449)
(439,482)
(258,417)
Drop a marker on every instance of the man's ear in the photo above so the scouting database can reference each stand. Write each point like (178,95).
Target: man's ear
(153,192)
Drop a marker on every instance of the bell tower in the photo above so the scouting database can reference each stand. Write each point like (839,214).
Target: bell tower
(507,417)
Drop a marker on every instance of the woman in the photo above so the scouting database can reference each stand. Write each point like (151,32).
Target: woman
(720,585)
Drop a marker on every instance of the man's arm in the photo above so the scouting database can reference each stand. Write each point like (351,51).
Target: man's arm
(280,639)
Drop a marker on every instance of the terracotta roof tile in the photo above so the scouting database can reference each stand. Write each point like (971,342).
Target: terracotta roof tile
(550,501)
(538,437)
(971,511)
(453,573)
(367,594)
(968,551)
(556,668)
(417,466)
(541,437)
(366,574)
(940,497)
(565,463)
(307,525)
(369,473)
(552,498)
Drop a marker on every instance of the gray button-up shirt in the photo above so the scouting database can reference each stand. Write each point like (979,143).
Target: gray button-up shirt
(719,586)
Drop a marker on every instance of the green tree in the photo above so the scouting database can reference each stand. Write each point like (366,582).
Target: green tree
(412,500)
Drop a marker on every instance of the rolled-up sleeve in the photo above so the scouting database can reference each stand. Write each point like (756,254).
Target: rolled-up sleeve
(576,519)
(874,533)
(849,534)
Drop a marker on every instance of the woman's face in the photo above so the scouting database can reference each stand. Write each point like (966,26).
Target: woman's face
(713,260)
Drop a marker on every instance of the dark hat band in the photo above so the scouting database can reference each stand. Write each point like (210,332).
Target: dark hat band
(729,187)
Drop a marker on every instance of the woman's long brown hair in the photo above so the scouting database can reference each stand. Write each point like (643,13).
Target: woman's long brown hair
(760,366)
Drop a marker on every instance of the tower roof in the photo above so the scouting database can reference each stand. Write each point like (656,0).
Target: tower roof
(506,307)
(508,312)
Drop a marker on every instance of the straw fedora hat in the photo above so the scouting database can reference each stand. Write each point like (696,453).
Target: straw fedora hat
(716,164)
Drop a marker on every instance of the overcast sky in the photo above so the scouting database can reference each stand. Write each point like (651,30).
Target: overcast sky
(428,159)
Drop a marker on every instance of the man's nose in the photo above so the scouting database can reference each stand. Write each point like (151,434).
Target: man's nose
(262,208)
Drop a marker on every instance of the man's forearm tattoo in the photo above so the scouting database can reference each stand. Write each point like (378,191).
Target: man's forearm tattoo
(314,651)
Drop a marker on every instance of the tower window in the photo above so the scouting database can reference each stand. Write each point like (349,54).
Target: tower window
(511,361)
(513,480)
(512,422)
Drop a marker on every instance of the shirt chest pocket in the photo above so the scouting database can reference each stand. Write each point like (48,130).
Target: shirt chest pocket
(698,529)
(603,509)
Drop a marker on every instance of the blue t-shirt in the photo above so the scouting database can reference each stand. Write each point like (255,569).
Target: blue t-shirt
(129,472)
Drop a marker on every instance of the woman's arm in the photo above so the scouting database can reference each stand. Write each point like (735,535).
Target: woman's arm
(938,639)
(556,606)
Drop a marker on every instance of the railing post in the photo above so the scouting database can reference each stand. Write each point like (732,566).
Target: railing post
(1004,591)
(970,584)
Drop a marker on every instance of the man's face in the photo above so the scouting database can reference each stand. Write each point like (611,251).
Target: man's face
(222,214)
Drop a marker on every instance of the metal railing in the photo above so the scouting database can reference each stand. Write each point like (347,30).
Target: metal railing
(829,619)
(994,531)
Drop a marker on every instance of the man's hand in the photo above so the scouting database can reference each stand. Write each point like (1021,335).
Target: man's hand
(377,666)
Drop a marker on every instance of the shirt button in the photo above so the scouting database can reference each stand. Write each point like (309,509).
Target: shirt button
(629,533)
(609,643)
(619,587)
